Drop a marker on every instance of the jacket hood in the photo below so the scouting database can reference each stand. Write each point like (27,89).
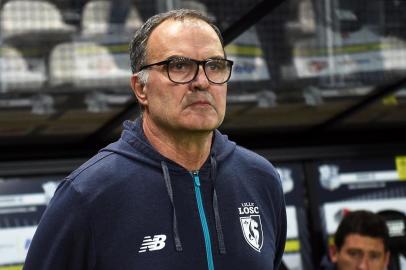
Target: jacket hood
(133,138)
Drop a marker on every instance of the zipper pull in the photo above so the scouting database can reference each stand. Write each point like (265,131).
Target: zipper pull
(196,178)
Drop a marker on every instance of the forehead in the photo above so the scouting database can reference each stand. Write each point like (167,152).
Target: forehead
(366,243)
(189,37)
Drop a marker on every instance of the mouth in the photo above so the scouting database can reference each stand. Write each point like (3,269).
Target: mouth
(200,103)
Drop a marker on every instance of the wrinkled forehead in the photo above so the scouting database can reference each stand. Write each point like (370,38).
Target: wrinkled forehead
(186,21)
(175,33)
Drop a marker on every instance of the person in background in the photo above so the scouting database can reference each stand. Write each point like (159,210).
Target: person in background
(360,243)
(172,192)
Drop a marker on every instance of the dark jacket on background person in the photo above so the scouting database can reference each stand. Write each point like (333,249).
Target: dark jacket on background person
(326,264)
(129,207)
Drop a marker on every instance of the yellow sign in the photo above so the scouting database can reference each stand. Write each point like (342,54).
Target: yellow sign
(292,245)
(390,100)
(401,167)
(14,267)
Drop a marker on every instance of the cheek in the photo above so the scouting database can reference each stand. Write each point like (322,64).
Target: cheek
(220,96)
(161,103)
(380,264)
(162,97)
(346,260)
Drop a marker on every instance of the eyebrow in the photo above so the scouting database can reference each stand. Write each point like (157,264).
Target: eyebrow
(216,57)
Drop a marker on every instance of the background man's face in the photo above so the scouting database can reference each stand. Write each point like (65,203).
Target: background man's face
(195,106)
(360,253)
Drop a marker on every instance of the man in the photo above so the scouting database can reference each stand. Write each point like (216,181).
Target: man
(172,192)
(361,242)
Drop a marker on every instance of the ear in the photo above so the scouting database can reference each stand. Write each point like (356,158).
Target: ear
(139,90)
(332,251)
(387,258)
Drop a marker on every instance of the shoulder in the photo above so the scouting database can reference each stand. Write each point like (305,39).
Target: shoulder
(104,171)
(250,159)
(253,171)
(250,154)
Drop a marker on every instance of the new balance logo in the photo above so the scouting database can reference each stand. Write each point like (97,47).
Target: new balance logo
(152,244)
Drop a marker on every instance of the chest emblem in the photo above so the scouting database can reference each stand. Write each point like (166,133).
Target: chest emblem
(251,225)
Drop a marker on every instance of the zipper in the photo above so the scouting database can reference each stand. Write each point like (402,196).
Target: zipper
(203,220)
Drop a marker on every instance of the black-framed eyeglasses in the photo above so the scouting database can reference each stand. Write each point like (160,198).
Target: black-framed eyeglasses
(184,70)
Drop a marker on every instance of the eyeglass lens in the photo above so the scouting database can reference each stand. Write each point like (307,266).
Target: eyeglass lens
(183,70)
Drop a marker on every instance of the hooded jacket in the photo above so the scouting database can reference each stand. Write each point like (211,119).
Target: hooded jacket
(129,207)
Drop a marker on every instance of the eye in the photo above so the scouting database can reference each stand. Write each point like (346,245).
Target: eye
(354,253)
(375,255)
(216,65)
(180,65)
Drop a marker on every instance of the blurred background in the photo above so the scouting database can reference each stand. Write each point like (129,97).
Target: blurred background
(318,87)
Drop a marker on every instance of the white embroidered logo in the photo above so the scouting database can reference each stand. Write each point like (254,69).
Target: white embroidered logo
(251,225)
(152,244)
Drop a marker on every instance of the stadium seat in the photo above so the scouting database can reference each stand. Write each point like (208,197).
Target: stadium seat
(33,17)
(86,65)
(15,74)
(96,19)
(305,23)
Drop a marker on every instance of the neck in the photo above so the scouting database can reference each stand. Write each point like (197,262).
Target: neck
(188,149)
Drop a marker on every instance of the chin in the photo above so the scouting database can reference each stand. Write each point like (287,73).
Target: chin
(202,123)
(202,126)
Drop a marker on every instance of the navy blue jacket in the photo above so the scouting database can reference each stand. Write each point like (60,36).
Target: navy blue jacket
(129,207)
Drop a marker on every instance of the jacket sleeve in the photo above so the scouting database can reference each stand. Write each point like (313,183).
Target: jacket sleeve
(281,233)
(63,239)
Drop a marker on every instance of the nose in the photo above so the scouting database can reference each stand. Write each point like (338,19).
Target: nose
(363,264)
(200,82)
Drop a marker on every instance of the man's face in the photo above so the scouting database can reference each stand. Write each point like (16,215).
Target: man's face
(195,106)
(360,252)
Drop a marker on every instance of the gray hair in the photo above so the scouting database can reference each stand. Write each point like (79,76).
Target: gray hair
(138,45)
(143,76)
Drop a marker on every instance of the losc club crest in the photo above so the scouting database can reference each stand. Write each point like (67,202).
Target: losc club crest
(251,225)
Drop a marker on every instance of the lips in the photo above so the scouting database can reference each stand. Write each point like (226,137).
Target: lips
(202,99)
(201,102)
